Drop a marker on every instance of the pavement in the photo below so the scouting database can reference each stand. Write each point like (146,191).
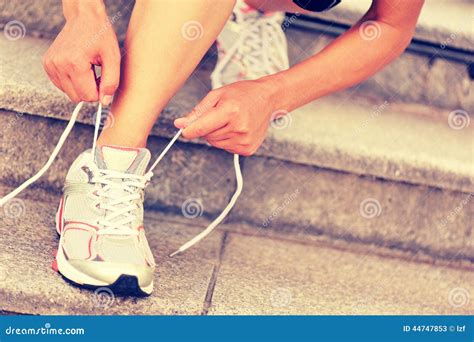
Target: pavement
(237,270)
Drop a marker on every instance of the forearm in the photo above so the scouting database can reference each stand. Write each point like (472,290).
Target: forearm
(348,60)
(75,7)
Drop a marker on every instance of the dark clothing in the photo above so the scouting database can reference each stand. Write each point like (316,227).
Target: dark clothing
(317,5)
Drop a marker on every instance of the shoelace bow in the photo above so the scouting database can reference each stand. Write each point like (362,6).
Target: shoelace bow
(137,181)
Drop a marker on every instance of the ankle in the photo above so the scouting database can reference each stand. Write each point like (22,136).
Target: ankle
(109,137)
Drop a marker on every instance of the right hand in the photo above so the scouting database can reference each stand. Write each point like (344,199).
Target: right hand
(87,39)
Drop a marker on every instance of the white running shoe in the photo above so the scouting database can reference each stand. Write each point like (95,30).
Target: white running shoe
(100,222)
(251,45)
(100,217)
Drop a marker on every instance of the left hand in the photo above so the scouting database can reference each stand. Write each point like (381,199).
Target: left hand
(234,117)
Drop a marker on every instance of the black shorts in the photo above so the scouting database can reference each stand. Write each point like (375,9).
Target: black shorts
(317,5)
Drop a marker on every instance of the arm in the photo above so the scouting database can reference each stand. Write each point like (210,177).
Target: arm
(380,36)
(240,126)
(86,39)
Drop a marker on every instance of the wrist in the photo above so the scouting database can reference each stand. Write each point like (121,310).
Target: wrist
(276,91)
(74,8)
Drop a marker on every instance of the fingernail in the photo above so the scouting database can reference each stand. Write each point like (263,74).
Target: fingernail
(106,100)
(180,123)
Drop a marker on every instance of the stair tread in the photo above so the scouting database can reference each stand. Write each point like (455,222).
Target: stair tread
(29,285)
(48,20)
(355,137)
(278,195)
(257,275)
(265,277)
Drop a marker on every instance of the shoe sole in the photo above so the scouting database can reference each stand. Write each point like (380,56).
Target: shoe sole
(125,285)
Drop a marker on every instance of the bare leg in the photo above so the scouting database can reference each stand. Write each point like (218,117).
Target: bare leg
(165,41)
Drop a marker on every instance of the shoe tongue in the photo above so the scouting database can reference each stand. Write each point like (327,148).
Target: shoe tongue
(123,159)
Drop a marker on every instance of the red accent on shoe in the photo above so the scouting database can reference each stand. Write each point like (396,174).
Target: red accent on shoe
(90,248)
(54,265)
(247,9)
(136,149)
(79,222)
(61,208)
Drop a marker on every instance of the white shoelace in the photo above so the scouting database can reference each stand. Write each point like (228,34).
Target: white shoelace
(134,181)
(253,46)
(119,205)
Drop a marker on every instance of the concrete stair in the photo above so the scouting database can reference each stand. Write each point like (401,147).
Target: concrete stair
(418,78)
(237,270)
(358,203)
(44,18)
(412,169)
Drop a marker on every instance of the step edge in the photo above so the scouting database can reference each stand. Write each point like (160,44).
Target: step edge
(455,181)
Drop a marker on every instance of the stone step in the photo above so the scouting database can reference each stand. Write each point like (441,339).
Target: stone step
(44,18)
(373,138)
(352,171)
(413,78)
(29,285)
(283,194)
(236,270)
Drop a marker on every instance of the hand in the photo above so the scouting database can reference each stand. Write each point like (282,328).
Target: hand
(234,118)
(86,40)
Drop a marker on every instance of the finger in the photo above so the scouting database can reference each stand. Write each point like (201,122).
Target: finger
(209,122)
(85,86)
(234,145)
(110,75)
(185,121)
(226,144)
(52,72)
(222,134)
(206,104)
(68,88)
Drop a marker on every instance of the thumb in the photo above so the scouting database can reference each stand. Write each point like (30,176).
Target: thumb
(110,76)
(206,104)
